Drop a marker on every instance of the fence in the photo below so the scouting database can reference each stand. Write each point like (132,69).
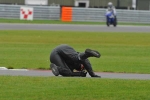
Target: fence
(75,14)
(39,13)
(97,15)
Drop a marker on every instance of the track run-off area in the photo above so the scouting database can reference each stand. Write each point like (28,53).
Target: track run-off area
(70,27)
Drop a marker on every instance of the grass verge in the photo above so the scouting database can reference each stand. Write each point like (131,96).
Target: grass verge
(121,52)
(61,22)
(49,88)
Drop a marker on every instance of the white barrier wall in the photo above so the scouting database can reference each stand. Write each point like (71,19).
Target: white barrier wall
(36,2)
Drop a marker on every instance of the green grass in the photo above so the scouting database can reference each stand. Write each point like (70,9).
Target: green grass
(61,22)
(121,52)
(62,88)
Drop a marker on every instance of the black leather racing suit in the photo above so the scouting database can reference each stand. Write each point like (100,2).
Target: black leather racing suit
(67,59)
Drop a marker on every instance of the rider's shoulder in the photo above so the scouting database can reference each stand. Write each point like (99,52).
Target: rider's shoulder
(113,7)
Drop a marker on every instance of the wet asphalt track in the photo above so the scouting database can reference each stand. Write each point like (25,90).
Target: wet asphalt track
(59,27)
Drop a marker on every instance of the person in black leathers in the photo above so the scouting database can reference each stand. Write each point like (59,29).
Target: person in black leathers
(64,59)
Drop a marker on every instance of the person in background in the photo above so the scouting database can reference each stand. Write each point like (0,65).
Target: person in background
(111,8)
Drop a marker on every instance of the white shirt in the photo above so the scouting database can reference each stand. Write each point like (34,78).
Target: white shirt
(112,9)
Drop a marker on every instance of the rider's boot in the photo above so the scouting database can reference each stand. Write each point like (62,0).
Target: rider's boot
(89,53)
(54,68)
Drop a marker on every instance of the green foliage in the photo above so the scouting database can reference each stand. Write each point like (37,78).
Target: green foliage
(121,52)
(63,88)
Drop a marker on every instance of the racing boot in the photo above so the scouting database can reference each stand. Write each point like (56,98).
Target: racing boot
(89,53)
(54,68)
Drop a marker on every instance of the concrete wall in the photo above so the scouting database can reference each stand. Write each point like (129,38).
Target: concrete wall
(143,4)
(62,2)
(19,2)
(93,3)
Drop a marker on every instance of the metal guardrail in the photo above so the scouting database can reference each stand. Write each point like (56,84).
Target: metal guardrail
(78,14)
(40,12)
(134,16)
(88,14)
(98,15)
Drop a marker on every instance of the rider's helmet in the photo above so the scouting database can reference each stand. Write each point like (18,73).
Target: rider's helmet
(110,4)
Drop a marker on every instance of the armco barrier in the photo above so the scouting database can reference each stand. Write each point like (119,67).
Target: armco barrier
(98,15)
(74,14)
(39,13)
(88,14)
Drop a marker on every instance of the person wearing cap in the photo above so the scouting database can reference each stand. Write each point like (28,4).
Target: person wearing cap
(64,60)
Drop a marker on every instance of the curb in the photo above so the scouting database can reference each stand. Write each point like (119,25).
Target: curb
(4,68)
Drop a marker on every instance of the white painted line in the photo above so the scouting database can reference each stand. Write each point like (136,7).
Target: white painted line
(3,68)
(18,69)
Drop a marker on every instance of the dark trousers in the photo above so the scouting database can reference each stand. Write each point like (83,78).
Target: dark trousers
(55,58)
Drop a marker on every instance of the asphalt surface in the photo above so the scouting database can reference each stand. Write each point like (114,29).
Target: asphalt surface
(48,73)
(67,27)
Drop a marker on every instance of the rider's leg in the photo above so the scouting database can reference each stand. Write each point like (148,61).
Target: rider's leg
(59,64)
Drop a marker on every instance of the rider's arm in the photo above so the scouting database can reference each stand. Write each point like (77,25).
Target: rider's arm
(106,10)
(114,11)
